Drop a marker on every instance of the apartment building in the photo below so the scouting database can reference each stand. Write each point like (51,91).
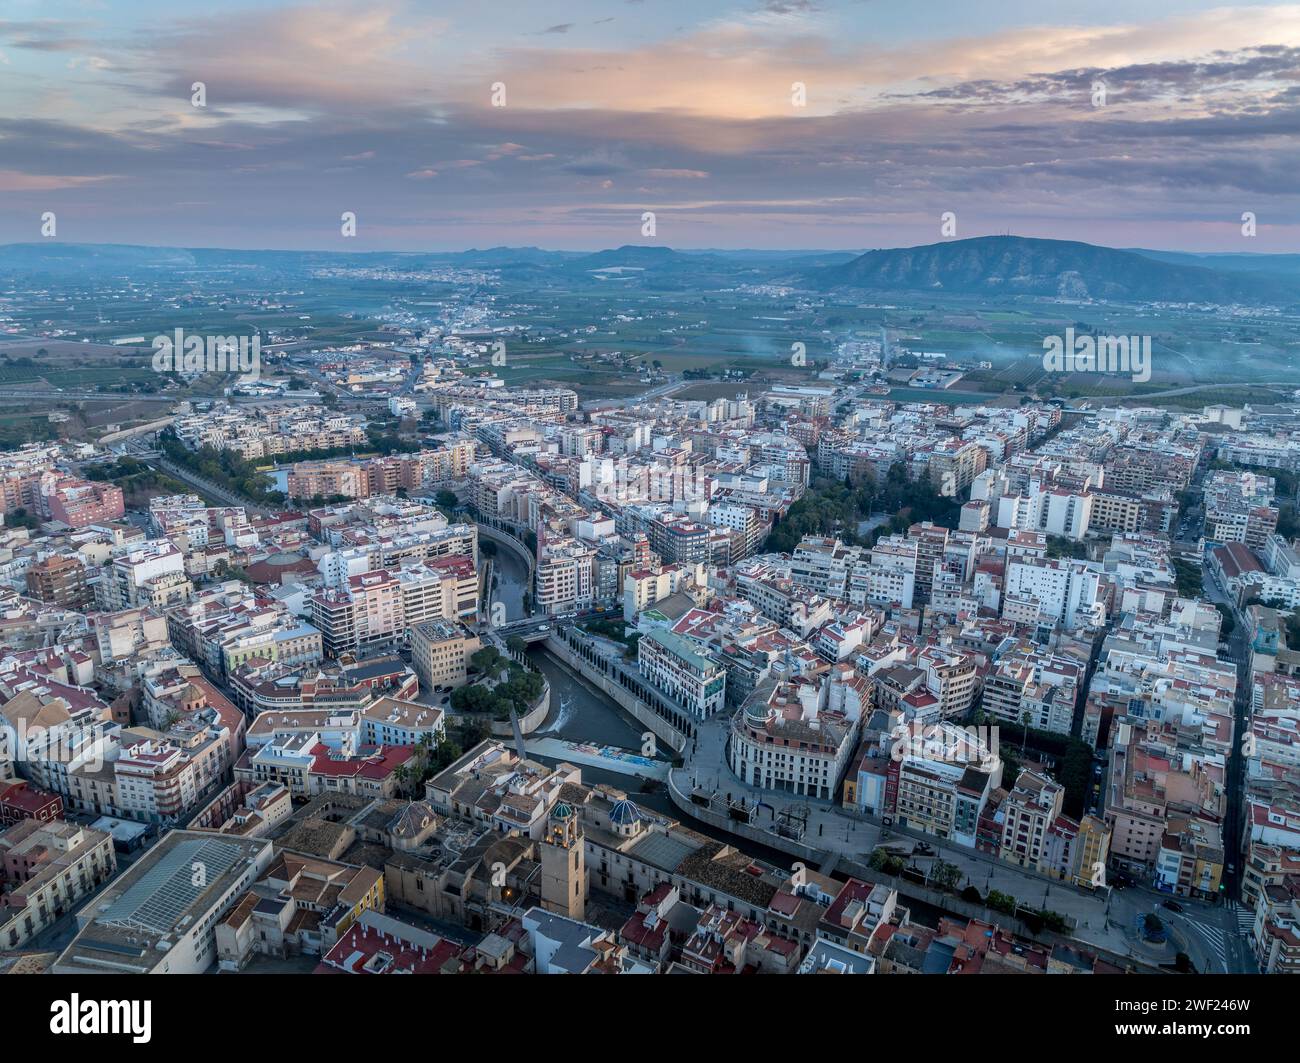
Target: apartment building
(157,782)
(1190,860)
(378,601)
(1117,511)
(1026,683)
(1049,508)
(783,738)
(20,480)
(1028,812)
(1150,784)
(745,521)
(674,665)
(149,575)
(644,586)
(954,464)
(823,564)
(565,577)
(394,722)
(326,479)
(781,600)
(334,614)
(369,612)
(939,779)
(440,652)
(678,540)
(1067,593)
(1239,508)
(1276,936)
(20,800)
(46,869)
(59,580)
(952,677)
(77,503)
(342,687)
(445,588)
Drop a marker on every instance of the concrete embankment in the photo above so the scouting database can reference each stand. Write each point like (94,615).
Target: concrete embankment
(625,699)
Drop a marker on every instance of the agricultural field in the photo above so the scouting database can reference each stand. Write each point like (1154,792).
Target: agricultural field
(600,339)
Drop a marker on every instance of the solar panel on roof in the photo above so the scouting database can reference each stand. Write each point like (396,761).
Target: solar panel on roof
(158,899)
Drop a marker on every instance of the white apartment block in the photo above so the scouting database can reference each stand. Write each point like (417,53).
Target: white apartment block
(674,665)
(1053,510)
(1067,592)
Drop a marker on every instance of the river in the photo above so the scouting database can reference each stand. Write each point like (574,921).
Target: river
(581,713)
(509,580)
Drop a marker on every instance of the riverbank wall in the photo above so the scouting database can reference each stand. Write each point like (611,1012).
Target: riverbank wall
(628,702)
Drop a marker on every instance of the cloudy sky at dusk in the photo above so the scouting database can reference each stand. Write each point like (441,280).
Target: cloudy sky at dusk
(682,107)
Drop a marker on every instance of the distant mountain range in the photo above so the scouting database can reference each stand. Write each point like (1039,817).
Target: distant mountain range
(1064,269)
(986,265)
(1283,265)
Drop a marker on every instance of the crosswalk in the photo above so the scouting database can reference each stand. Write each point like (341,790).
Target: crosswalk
(1244,916)
(1213,937)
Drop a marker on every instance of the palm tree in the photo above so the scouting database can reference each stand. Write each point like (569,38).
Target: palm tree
(1024,731)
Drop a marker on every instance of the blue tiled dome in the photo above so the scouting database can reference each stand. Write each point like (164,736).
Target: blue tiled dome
(624,813)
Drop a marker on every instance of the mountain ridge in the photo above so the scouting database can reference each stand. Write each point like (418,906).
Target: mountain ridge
(1065,269)
(985,265)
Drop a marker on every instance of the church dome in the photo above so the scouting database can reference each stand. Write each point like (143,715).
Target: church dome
(624,813)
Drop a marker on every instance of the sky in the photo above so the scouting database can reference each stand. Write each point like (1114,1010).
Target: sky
(789,124)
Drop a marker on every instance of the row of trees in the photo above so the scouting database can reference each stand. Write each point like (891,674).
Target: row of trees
(1060,546)
(515,687)
(1189,578)
(1073,758)
(946,877)
(836,507)
(224,468)
(616,630)
(235,473)
(430,758)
